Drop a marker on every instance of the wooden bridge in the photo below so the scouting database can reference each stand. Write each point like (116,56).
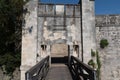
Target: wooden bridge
(76,70)
(58,72)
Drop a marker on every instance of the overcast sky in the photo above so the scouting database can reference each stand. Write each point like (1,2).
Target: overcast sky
(101,6)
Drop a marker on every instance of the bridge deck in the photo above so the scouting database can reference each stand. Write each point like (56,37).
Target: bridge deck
(59,72)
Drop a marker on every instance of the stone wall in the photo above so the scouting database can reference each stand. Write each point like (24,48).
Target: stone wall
(59,24)
(108,27)
(46,25)
(88,29)
(59,50)
(29,37)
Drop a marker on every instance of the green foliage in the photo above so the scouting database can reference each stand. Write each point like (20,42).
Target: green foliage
(10,24)
(10,62)
(91,63)
(98,60)
(93,53)
(98,64)
(104,43)
(10,36)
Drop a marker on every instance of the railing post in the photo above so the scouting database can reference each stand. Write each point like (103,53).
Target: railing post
(38,71)
(81,70)
(27,76)
(95,76)
(70,49)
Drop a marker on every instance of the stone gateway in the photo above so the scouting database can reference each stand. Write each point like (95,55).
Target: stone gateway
(48,26)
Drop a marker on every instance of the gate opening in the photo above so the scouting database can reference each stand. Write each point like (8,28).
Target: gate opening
(59,53)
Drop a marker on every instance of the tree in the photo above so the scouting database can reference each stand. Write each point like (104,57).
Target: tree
(10,36)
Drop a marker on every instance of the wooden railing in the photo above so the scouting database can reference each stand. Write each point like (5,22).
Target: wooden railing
(39,71)
(81,71)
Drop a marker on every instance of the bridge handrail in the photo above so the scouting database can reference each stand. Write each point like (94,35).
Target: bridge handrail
(39,71)
(80,70)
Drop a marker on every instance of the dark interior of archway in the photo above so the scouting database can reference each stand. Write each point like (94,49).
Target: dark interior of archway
(59,59)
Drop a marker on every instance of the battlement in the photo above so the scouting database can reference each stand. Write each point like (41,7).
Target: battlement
(59,10)
(107,20)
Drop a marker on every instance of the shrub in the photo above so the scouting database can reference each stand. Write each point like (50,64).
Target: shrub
(93,53)
(96,65)
(91,63)
(9,62)
(104,43)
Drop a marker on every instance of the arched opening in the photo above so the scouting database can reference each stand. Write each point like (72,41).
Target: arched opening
(59,53)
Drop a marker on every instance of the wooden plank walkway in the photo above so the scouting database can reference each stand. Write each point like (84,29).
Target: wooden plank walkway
(59,72)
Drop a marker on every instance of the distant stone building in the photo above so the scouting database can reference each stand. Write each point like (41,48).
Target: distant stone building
(46,26)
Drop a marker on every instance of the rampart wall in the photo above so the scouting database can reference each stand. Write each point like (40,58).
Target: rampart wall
(108,27)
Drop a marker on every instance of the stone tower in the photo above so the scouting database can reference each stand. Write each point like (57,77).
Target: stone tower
(29,37)
(88,28)
(48,24)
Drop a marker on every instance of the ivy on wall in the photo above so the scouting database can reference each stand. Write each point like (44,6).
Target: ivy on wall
(97,65)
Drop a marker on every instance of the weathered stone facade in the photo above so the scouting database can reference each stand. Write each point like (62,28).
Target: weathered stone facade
(46,25)
(59,24)
(29,37)
(108,27)
(88,29)
(72,25)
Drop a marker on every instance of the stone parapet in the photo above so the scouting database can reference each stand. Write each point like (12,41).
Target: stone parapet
(107,20)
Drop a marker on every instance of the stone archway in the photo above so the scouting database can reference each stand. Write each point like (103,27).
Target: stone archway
(59,53)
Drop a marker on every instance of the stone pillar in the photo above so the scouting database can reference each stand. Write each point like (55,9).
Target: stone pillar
(88,29)
(48,53)
(70,53)
(29,37)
